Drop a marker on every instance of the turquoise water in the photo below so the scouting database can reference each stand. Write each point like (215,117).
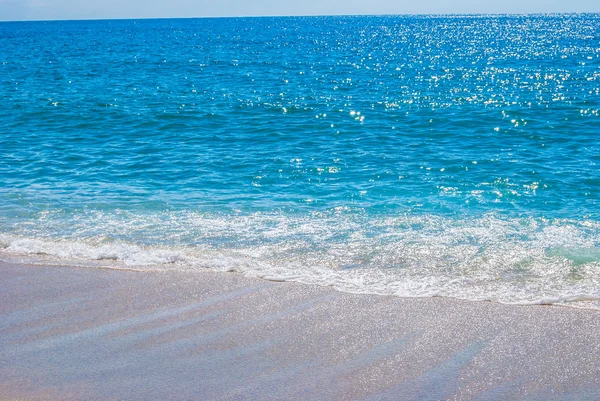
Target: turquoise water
(415,156)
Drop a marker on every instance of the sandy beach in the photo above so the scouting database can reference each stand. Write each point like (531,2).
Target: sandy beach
(84,333)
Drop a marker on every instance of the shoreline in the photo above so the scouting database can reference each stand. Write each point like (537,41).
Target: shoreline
(89,333)
(581,301)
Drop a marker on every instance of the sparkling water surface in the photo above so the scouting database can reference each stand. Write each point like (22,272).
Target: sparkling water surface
(418,156)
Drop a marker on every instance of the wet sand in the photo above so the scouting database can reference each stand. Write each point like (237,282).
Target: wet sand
(93,334)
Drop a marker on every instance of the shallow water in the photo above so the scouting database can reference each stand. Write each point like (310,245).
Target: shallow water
(416,156)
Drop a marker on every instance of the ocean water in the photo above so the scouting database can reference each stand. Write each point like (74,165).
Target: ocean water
(454,156)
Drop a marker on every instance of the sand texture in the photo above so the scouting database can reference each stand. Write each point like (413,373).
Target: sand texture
(71,333)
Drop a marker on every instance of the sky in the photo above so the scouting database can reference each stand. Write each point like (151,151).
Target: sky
(101,9)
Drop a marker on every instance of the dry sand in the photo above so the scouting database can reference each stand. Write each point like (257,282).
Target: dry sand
(85,334)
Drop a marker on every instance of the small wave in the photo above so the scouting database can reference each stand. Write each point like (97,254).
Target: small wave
(584,300)
(517,261)
(126,254)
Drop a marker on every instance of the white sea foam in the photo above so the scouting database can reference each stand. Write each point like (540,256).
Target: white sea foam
(125,254)
(521,261)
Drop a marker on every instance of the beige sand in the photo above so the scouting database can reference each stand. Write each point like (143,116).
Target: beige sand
(85,333)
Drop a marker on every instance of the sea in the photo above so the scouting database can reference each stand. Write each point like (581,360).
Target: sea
(416,156)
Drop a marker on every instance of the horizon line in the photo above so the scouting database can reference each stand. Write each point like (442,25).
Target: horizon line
(492,14)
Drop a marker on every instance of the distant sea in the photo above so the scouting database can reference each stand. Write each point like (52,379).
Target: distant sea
(417,156)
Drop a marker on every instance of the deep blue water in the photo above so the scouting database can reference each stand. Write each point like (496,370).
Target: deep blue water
(429,155)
